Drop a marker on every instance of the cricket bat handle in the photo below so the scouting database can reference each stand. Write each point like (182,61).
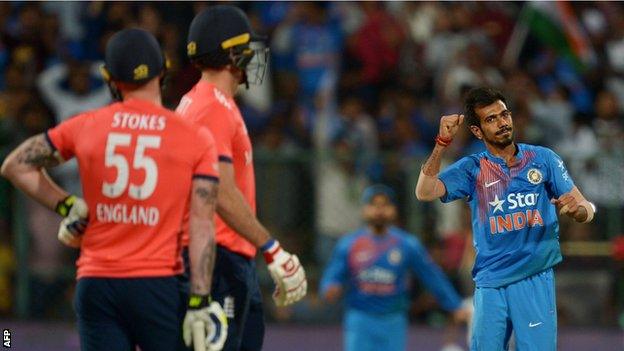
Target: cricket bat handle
(199,336)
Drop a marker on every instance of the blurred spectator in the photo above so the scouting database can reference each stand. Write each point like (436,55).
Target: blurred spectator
(605,184)
(310,47)
(376,46)
(552,116)
(70,89)
(471,69)
(73,88)
(447,40)
(69,14)
(283,209)
(339,180)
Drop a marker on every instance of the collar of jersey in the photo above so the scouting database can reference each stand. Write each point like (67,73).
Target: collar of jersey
(205,85)
(134,102)
(500,160)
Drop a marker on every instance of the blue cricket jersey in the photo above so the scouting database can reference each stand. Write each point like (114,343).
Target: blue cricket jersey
(514,225)
(375,272)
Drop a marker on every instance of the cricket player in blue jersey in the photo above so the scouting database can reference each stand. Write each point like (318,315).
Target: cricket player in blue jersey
(373,266)
(513,190)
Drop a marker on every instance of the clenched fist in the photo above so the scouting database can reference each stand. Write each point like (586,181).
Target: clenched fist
(449,125)
(573,207)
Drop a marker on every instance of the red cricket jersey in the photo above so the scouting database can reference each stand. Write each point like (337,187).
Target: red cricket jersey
(208,107)
(137,161)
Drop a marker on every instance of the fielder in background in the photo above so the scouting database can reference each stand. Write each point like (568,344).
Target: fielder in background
(130,154)
(221,45)
(372,267)
(512,190)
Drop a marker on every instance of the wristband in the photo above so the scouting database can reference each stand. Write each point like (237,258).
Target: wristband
(267,245)
(590,208)
(199,301)
(63,206)
(270,249)
(443,141)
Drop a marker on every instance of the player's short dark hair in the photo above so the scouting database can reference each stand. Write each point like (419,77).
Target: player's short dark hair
(214,60)
(477,98)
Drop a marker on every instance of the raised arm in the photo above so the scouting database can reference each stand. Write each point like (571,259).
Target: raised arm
(429,187)
(48,83)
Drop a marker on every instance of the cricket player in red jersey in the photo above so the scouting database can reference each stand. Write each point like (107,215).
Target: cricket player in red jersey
(219,45)
(138,164)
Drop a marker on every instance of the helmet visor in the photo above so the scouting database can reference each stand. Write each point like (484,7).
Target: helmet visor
(257,66)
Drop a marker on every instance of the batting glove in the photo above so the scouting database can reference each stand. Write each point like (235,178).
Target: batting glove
(205,324)
(289,277)
(75,211)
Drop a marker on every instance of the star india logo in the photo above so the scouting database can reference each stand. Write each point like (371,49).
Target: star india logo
(534,176)
(497,204)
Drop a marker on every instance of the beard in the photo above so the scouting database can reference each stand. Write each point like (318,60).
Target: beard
(378,223)
(501,142)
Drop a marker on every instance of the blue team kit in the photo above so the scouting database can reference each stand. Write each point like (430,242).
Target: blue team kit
(375,272)
(516,238)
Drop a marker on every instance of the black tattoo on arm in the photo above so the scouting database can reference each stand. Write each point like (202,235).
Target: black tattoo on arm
(206,265)
(208,193)
(37,152)
(205,202)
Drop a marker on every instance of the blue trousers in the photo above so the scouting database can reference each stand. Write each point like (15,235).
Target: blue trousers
(527,307)
(374,332)
(122,313)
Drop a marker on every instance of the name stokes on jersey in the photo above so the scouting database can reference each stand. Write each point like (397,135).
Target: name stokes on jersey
(501,223)
(122,213)
(138,121)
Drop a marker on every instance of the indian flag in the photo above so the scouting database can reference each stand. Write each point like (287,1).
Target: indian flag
(555,25)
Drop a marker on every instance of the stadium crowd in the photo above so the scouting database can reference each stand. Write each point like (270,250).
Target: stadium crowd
(353,96)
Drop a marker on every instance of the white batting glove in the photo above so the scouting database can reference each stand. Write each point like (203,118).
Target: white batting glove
(76,212)
(289,277)
(205,324)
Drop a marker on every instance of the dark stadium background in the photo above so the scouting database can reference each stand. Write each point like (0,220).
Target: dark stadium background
(353,97)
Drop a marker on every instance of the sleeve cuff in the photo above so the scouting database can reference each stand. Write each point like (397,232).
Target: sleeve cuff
(223,158)
(206,177)
(47,137)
